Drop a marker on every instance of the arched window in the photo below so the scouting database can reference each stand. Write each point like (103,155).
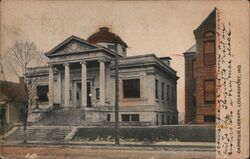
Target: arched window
(208,34)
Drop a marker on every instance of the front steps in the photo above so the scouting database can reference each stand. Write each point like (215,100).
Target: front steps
(40,134)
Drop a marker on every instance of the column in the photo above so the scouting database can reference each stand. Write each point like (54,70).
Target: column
(84,84)
(51,87)
(102,82)
(59,87)
(66,85)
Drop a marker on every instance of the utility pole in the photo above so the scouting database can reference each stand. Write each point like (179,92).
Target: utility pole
(117,140)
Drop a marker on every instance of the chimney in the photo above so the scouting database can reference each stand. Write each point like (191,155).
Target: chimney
(166,60)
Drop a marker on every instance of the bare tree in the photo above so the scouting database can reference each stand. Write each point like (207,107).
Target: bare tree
(20,57)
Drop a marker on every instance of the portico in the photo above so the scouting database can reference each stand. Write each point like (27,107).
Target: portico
(76,86)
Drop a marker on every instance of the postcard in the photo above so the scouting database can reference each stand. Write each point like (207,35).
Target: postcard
(124,79)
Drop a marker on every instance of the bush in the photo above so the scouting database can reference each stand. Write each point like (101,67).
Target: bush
(185,133)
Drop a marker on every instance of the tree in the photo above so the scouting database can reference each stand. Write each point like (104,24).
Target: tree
(19,58)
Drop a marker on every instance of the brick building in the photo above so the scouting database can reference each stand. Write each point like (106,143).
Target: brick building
(12,104)
(200,74)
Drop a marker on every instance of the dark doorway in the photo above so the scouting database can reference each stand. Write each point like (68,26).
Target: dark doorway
(78,95)
(89,94)
(42,92)
(3,116)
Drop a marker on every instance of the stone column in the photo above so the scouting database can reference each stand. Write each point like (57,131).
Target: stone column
(102,82)
(84,84)
(66,85)
(59,87)
(51,87)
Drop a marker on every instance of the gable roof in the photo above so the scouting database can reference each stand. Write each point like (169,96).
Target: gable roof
(209,19)
(92,47)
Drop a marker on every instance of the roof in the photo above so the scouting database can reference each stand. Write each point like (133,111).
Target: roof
(192,49)
(104,35)
(91,47)
(165,58)
(144,61)
(209,19)
(11,91)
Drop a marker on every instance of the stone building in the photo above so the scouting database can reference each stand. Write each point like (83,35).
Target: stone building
(81,75)
(200,74)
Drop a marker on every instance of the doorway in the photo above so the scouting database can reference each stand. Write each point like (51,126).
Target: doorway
(78,95)
(89,95)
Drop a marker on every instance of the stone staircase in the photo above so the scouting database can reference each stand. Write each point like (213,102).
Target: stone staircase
(40,134)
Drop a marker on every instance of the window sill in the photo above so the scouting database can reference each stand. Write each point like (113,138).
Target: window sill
(132,99)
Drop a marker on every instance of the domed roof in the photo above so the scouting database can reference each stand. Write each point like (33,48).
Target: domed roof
(103,35)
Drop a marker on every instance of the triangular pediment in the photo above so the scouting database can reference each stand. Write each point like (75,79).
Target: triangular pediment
(72,44)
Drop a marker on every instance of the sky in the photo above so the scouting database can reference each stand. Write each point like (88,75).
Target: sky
(164,28)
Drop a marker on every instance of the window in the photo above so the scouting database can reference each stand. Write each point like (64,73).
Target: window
(108,117)
(162,90)
(125,117)
(194,68)
(131,88)
(42,92)
(123,49)
(157,119)
(167,92)
(77,96)
(162,120)
(209,118)
(173,94)
(209,53)
(168,120)
(209,91)
(70,95)
(209,34)
(130,117)
(194,98)
(156,89)
(134,117)
(97,93)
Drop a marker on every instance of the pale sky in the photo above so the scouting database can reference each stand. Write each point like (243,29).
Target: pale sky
(164,28)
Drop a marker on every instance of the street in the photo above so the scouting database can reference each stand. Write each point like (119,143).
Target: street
(13,152)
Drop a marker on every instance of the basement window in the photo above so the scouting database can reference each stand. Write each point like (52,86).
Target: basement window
(125,117)
(130,117)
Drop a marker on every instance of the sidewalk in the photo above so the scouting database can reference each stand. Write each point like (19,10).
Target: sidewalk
(166,146)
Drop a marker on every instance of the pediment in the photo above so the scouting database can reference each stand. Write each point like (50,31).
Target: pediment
(71,45)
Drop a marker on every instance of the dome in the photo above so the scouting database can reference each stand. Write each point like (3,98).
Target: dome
(104,36)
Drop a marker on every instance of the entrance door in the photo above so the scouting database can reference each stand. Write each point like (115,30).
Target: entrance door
(78,95)
(89,94)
